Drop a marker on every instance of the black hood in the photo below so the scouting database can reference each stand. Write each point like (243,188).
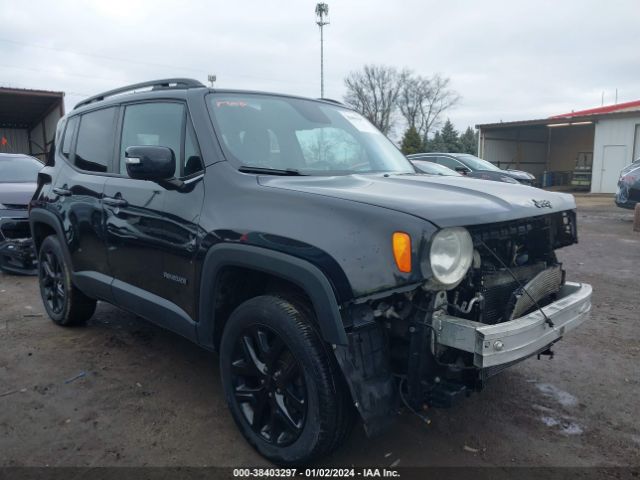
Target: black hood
(443,200)
(14,194)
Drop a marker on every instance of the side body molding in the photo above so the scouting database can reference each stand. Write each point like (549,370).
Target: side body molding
(300,272)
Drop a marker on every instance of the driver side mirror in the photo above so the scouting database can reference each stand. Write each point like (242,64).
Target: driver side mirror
(150,162)
(462,170)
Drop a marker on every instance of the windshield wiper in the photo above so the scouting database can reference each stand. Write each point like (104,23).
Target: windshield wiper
(271,171)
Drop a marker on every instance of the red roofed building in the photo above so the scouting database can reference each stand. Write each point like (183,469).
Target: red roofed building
(579,150)
(618,107)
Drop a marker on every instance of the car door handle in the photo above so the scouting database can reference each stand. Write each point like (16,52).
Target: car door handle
(63,192)
(115,202)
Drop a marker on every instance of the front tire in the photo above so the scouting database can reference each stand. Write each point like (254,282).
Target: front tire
(64,303)
(282,386)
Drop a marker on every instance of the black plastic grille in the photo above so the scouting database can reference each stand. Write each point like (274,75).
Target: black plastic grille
(12,229)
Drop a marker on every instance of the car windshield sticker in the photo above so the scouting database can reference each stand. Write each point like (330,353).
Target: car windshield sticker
(358,121)
(230,103)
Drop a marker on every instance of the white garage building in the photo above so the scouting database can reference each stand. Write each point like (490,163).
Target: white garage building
(582,150)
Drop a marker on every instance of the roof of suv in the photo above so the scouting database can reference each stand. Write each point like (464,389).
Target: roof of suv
(431,154)
(158,88)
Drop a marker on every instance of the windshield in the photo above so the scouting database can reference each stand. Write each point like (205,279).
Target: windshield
(19,169)
(476,163)
(433,168)
(631,167)
(305,136)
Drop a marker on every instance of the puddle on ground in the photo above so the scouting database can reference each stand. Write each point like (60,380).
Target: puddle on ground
(541,408)
(549,421)
(564,398)
(565,426)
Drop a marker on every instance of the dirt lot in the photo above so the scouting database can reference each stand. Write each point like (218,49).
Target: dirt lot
(148,397)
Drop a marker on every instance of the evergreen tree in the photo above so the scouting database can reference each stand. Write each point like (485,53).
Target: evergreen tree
(469,142)
(411,142)
(435,144)
(449,136)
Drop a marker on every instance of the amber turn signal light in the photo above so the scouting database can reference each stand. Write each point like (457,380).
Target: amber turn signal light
(402,251)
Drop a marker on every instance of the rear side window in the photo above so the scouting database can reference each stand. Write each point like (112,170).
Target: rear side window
(449,162)
(68,136)
(94,148)
(158,124)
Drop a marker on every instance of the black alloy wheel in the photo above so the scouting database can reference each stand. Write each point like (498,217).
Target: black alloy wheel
(65,304)
(51,275)
(281,381)
(269,386)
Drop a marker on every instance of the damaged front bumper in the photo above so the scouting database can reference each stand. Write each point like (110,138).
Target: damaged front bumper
(17,253)
(495,347)
(18,256)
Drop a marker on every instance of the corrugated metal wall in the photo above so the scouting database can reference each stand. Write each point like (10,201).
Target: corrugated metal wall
(17,140)
(567,143)
(41,139)
(613,150)
(520,148)
(36,140)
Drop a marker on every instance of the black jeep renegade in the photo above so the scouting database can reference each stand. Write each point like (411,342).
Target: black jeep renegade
(293,237)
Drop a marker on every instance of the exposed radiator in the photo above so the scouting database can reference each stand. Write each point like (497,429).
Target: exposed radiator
(502,294)
(541,286)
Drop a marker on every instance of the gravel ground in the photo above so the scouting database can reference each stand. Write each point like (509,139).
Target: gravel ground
(121,392)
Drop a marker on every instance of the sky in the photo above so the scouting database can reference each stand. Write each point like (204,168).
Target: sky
(508,60)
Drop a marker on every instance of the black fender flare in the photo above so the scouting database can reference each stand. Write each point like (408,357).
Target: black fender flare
(300,272)
(40,215)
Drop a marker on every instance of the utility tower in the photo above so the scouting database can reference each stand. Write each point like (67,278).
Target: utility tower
(322,19)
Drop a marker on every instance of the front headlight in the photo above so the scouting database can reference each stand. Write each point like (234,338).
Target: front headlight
(450,255)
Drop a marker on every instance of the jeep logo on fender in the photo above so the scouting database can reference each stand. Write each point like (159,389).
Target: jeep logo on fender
(174,278)
(541,203)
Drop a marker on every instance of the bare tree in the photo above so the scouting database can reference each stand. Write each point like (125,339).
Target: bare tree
(439,98)
(379,91)
(374,91)
(413,95)
(422,100)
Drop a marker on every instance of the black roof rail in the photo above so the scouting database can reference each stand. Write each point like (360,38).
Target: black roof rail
(167,83)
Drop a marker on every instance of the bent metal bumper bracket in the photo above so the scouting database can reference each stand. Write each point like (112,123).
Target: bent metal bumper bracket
(509,342)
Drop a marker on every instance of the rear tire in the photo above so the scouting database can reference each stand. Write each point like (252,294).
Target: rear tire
(282,386)
(64,303)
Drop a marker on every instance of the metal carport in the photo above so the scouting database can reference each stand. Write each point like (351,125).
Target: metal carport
(578,150)
(28,120)
(557,147)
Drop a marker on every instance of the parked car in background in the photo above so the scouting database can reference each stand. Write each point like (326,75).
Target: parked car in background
(475,167)
(628,194)
(424,166)
(628,168)
(18,177)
